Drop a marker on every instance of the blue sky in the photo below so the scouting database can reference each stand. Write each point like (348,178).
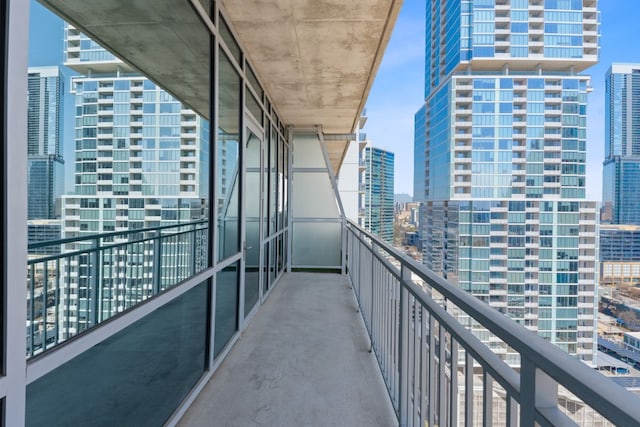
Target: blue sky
(397,92)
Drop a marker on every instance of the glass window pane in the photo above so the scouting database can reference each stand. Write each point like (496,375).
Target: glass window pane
(228,160)
(253,80)
(273,181)
(142,161)
(254,107)
(252,236)
(226,315)
(137,377)
(208,5)
(229,40)
(280,183)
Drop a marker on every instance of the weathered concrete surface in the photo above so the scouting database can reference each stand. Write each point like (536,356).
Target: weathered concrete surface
(303,361)
(317,59)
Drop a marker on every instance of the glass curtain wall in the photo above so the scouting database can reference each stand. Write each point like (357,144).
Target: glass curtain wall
(3,141)
(148,172)
(136,225)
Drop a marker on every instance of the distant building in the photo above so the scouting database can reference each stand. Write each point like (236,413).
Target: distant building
(620,241)
(45,170)
(619,255)
(378,199)
(631,341)
(621,169)
(419,141)
(44,230)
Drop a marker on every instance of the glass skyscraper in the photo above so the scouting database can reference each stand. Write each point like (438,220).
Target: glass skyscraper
(621,186)
(418,155)
(44,142)
(505,128)
(378,197)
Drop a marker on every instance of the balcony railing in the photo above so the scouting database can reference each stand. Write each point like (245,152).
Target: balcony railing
(438,372)
(97,276)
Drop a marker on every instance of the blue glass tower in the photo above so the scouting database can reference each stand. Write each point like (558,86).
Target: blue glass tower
(418,156)
(44,142)
(621,187)
(504,160)
(378,178)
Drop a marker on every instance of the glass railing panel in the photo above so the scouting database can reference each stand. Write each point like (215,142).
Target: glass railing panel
(157,359)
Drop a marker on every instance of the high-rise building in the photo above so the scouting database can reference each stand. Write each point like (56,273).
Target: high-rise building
(377,199)
(44,142)
(138,164)
(418,155)
(621,186)
(505,128)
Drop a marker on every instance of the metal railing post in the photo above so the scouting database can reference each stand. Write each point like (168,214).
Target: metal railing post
(344,246)
(157,260)
(373,259)
(194,235)
(537,391)
(95,291)
(403,335)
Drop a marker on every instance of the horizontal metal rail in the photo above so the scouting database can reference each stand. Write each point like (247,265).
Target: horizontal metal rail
(424,333)
(95,277)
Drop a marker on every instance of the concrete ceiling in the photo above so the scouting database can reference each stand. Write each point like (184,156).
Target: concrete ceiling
(316,58)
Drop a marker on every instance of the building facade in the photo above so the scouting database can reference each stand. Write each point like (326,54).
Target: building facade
(505,129)
(419,136)
(44,141)
(377,198)
(621,169)
(619,255)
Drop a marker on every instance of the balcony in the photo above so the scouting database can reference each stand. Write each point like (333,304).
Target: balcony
(315,365)
(309,354)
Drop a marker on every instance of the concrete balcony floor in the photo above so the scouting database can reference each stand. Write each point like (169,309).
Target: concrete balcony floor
(303,361)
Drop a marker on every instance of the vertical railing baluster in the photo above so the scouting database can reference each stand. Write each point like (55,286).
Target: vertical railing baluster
(512,411)
(57,306)
(424,316)
(157,257)
(487,399)
(403,334)
(453,398)
(373,279)
(32,286)
(468,390)
(45,294)
(193,266)
(537,390)
(94,291)
(432,371)
(67,296)
(442,375)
